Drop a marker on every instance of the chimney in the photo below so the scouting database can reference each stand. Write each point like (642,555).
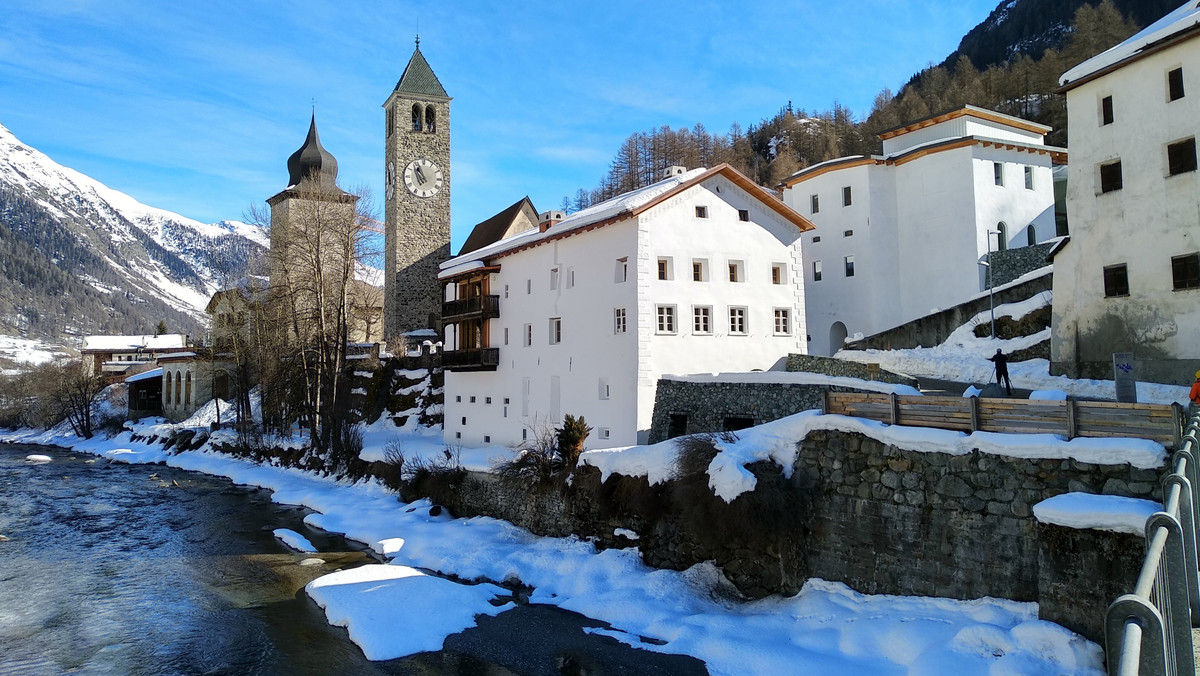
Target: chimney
(549,218)
(673,171)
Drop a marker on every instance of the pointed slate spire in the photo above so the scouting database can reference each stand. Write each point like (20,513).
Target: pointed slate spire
(418,77)
(312,158)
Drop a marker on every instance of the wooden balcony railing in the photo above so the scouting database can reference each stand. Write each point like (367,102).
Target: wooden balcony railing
(474,359)
(479,307)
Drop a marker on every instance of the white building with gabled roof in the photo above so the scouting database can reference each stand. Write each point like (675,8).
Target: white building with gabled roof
(1128,280)
(699,272)
(905,233)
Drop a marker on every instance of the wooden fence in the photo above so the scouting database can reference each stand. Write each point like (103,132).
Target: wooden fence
(1158,422)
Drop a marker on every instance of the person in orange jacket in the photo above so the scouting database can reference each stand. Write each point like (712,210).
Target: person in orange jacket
(1194,394)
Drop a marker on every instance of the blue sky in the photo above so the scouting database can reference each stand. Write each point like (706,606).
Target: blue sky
(195,107)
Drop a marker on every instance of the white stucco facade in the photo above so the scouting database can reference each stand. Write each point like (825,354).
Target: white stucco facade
(1126,280)
(916,226)
(586,325)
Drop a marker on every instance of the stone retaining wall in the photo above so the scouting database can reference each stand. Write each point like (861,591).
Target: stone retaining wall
(1010,264)
(934,329)
(856,510)
(832,366)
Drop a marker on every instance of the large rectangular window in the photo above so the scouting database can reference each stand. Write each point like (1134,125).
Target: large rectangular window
(666,319)
(1110,176)
(699,270)
(1175,84)
(1181,157)
(1116,281)
(1185,271)
(664,268)
(702,320)
(737,321)
(735,272)
(555,330)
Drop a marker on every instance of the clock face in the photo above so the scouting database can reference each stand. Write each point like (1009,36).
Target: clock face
(389,180)
(423,178)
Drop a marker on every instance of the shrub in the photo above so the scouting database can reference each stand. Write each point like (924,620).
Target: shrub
(570,439)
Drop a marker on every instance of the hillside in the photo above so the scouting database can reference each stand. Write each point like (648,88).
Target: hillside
(1030,27)
(77,257)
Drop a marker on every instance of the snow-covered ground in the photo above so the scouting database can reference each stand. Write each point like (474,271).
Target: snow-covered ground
(393,610)
(30,352)
(964,358)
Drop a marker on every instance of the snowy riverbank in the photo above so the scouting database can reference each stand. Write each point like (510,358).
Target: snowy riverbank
(826,628)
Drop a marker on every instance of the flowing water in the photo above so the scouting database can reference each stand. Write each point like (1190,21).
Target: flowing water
(137,569)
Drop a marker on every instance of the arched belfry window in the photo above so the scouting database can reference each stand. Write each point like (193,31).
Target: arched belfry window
(416,119)
(1002,236)
(430,121)
(1032,235)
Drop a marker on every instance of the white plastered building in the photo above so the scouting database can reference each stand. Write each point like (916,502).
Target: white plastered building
(699,272)
(906,233)
(1128,280)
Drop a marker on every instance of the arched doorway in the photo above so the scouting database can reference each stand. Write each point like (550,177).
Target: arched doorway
(837,337)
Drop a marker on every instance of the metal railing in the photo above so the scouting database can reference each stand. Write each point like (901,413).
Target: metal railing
(1149,632)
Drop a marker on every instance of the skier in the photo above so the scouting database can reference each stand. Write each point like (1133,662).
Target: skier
(1001,362)
(1194,393)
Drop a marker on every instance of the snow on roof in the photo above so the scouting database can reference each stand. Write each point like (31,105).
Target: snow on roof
(1186,17)
(595,213)
(177,355)
(1100,512)
(145,375)
(166,341)
(794,378)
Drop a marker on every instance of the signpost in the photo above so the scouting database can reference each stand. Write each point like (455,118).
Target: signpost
(1123,375)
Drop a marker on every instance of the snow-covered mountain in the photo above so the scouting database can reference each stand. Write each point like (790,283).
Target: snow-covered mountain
(78,257)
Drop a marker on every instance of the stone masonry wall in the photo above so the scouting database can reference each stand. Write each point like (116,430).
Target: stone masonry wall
(935,328)
(831,366)
(856,510)
(1010,264)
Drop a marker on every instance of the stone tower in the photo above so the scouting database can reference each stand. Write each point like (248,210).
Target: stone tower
(417,194)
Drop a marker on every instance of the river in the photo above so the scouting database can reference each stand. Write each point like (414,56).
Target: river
(137,569)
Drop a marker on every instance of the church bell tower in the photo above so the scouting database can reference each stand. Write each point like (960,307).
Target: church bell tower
(417,198)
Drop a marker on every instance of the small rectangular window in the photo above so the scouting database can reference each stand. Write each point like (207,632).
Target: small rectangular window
(1116,281)
(528,335)
(816,271)
(816,238)
(737,321)
(847,197)
(783,322)
(619,320)
(605,433)
(849,266)
(701,212)
(553,278)
(777,273)
(472,399)
(528,286)
(998,172)
(664,268)
(744,215)
(699,270)
(1110,176)
(506,335)
(814,204)
(506,291)
(847,233)
(702,320)
(666,319)
(603,387)
(1028,177)
(1185,271)
(487,400)
(1106,111)
(1175,84)
(735,271)
(555,330)
(622,270)
(1181,157)
(487,438)
(570,278)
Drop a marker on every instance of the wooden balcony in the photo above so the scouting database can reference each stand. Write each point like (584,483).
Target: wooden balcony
(475,359)
(463,309)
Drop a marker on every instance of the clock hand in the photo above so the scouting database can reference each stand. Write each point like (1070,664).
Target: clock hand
(420,176)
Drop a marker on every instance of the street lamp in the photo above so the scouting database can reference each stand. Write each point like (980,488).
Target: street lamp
(991,291)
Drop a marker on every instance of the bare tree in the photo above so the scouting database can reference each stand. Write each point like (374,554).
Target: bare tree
(73,393)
